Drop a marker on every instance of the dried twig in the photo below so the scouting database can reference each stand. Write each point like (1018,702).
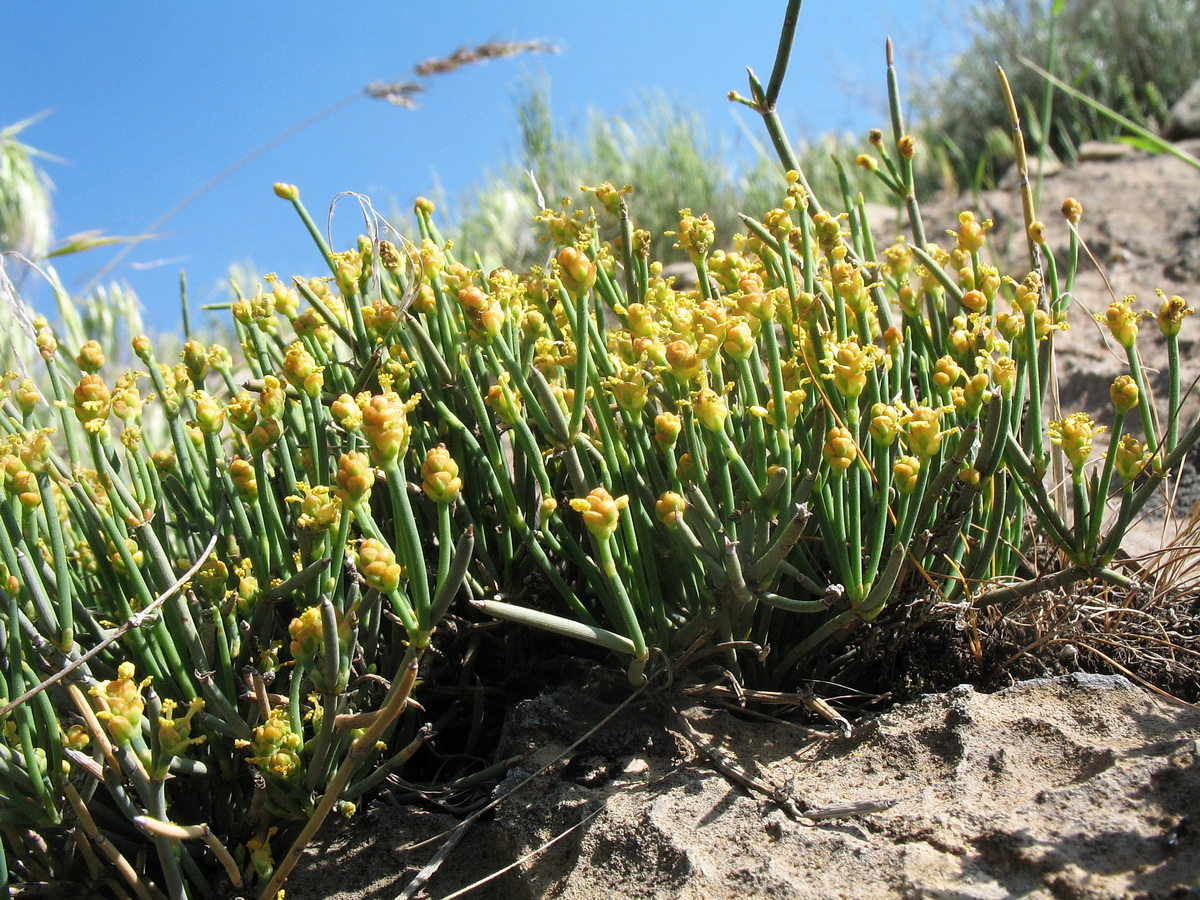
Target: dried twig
(795,808)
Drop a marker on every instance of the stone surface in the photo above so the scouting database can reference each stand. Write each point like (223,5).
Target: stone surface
(1184,121)
(1078,786)
(1102,151)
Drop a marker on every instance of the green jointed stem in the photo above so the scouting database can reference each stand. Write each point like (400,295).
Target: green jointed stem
(1145,402)
(1031,488)
(880,517)
(633,628)
(408,543)
(784,52)
(315,233)
(451,582)
(266,512)
(1173,379)
(1103,484)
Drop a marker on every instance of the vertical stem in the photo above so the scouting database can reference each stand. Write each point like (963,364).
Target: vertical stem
(1018,138)
(360,749)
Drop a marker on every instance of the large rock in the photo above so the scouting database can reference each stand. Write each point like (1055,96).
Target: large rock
(1079,786)
(1185,115)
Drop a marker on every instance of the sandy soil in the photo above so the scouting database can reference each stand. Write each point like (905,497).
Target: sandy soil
(1070,787)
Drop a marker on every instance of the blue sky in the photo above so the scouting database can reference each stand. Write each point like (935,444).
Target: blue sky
(149,101)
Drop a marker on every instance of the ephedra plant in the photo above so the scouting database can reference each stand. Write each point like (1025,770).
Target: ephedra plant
(211,643)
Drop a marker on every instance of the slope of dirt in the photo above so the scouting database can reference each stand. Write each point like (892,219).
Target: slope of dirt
(1081,786)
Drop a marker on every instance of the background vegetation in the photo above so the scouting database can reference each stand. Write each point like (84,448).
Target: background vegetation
(1135,56)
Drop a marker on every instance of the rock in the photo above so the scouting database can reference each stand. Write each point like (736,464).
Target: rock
(684,274)
(1049,168)
(885,224)
(1185,115)
(1102,151)
(1078,786)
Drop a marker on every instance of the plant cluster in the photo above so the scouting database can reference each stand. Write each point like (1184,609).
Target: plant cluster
(212,642)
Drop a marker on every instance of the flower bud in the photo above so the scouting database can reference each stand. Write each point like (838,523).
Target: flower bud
(1124,393)
(440,476)
(210,415)
(710,409)
(355,478)
(212,577)
(974,393)
(630,389)
(600,511)
(272,399)
(175,734)
(1122,321)
(695,235)
(947,373)
(91,401)
(739,339)
(47,344)
(1027,294)
(385,425)
(348,272)
(347,413)
(669,508)
(263,436)
(1171,313)
(906,472)
(683,361)
(922,427)
(127,401)
(667,426)
(576,270)
(505,403)
(241,472)
(91,357)
(319,510)
(123,704)
(884,427)
(974,301)
(1004,374)
(1075,435)
(306,633)
(27,396)
(793,401)
(195,358)
(1132,457)
(849,364)
(242,412)
(302,371)
(275,747)
(377,564)
(839,450)
(164,461)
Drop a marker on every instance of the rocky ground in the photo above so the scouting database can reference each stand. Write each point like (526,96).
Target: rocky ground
(1073,786)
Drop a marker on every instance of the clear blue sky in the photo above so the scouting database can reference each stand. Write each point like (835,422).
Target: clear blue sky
(151,100)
